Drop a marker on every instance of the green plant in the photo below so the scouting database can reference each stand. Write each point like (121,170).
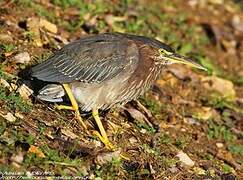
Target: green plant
(151,104)
(165,139)
(216,131)
(236,149)
(13,101)
(8,47)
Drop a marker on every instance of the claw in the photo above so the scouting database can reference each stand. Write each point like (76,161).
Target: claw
(106,142)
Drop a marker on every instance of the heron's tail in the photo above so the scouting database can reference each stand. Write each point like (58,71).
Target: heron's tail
(51,93)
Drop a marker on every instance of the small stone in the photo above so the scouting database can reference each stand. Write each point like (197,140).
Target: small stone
(237,23)
(183,130)
(97,143)
(22,58)
(173,169)
(107,157)
(192,121)
(143,131)
(18,158)
(219,145)
(192,3)
(185,159)
(133,140)
(222,86)
(199,171)
(110,19)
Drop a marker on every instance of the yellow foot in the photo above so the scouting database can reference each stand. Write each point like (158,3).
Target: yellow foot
(74,106)
(106,141)
(108,144)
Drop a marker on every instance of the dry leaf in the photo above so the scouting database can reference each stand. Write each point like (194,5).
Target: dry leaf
(37,27)
(48,26)
(137,115)
(25,92)
(19,115)
(34,27)
(69,133)
(9,117)
(5,84)
(37,151)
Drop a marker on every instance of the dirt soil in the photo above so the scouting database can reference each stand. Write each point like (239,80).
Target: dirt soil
(187,126)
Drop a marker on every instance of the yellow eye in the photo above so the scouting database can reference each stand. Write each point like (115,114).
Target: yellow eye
(164,52)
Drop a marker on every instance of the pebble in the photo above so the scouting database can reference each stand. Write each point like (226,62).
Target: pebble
(107,157)
(219,145)
(22,58)
(143,131)
(185,159)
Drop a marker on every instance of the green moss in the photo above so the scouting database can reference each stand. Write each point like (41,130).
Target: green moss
(165,139)
(236,149)
(30,35)
(8,47)
(221,132)
(212,69)
(67,3)
(152,105)
(109,170)
(183,141)
(226,168)
(149,129)
(167,162)
(13,101)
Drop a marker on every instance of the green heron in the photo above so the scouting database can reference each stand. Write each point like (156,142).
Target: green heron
(102,71)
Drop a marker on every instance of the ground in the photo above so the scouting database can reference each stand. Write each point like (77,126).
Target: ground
(187,113)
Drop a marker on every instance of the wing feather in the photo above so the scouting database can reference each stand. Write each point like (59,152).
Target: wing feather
(92,59)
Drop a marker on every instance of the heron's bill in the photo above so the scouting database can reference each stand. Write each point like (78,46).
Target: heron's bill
(175,58)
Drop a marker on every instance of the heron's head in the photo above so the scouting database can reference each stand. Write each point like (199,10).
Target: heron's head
(164,53)
(168,56)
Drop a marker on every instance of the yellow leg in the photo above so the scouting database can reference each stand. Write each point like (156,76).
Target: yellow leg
(60,107)
(74,105)
(102,135)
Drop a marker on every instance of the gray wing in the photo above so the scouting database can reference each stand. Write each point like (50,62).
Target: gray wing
(91,59)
